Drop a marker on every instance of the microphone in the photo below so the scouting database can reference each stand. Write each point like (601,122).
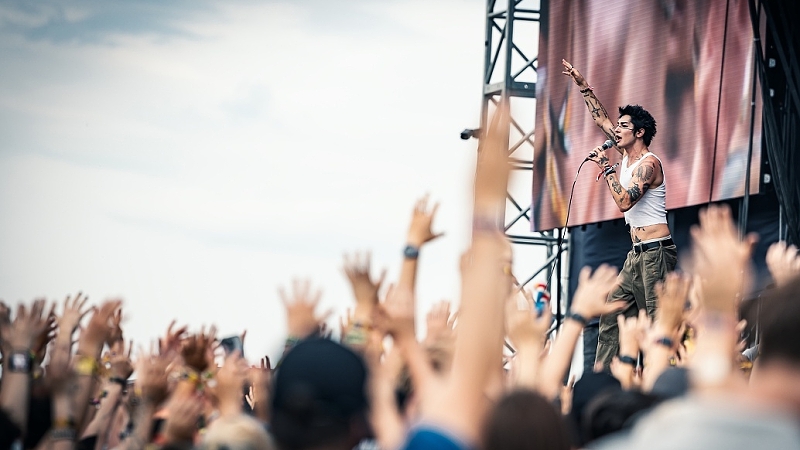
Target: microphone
(606,145)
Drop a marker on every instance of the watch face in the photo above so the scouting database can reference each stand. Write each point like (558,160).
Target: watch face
(410,252)
(19,362)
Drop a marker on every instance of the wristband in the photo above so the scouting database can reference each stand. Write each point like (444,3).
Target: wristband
(356,337)
(20,362)
(411,252)
(607,171)
(85,365)
(578,318)
(63,422)
(666,342)
(191,376)
(120,381)
(63,434)
(362,325)
(625,359)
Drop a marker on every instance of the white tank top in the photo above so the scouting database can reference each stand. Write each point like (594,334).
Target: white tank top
(651,209)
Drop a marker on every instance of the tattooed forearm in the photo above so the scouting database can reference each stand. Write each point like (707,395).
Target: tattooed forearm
(616,187)
(594,105)
(634,193)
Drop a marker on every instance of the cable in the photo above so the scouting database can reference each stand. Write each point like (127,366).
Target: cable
(566,222)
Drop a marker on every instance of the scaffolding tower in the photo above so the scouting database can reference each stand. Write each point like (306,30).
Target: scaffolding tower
(510,74)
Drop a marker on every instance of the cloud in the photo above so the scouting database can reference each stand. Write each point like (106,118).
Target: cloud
(98,21)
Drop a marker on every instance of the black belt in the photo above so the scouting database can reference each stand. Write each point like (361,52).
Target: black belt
(639,248)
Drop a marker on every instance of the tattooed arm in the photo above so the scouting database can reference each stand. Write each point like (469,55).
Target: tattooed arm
(599,113)
(627,196)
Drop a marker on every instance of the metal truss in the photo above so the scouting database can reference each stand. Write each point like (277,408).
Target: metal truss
(510,64)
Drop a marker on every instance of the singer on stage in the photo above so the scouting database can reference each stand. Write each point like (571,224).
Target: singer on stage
(639,190)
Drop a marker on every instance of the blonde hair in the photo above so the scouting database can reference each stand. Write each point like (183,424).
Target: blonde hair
(238,432)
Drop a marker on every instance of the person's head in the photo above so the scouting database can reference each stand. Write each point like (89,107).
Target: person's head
(613,411)
(524,420)
(780,335)
(587,388)
(319,397)
(236,432)
(634,122)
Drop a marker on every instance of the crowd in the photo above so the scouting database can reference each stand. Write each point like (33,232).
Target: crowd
(492,375)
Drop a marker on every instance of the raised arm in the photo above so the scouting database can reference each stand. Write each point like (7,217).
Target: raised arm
(17,339)
(420,232)
(589,302)
(599,113)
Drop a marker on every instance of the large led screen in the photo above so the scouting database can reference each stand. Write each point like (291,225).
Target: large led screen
(690,63)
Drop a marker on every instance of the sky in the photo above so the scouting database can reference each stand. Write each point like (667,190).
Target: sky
(192,156)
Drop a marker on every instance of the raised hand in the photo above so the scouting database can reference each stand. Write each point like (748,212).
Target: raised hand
(171,342)
(438,323)
(152,380)
(590,298)
(573,73)
(260,378)
(629,334)
(21,333)
(672,296)
(99,329)
(74,311)
(115,329)
(783,262)
(121,366)
(396,314)
(523,325)
(41,342)
(365,289)
(720,259)
(419,231)
(566,395)
(301,316)
(196,347)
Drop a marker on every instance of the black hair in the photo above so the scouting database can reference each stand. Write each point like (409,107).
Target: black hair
(524,420)
(611,411)
(641,119)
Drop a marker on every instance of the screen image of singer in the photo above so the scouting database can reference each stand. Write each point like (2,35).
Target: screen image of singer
(690,64)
